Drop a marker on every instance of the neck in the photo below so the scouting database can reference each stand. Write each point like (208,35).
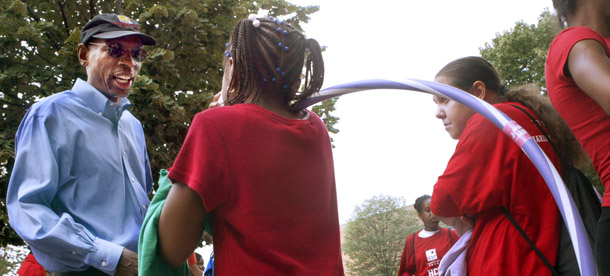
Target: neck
(592,14)
(493,97)
(432,228)
(112,98)
(277,106)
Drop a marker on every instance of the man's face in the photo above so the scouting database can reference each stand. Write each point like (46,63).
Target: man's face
(113,76)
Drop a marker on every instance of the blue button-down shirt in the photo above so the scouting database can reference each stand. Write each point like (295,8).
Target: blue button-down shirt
(78,190)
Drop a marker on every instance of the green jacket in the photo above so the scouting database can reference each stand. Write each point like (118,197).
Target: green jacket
(149,257)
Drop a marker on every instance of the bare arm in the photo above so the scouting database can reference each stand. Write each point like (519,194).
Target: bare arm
(195,271)
(180,224)
(590,68)
(128,264)
(461,224)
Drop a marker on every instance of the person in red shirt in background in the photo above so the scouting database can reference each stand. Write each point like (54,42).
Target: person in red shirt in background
(578,81)
(489,171)
(425,248)
(31,267)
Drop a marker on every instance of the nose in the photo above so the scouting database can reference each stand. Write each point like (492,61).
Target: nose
(440,112)
(127,60)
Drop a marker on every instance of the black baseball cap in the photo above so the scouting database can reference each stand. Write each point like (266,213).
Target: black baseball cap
(110,25)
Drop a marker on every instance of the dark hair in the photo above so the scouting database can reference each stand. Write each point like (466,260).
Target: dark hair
(464,72)
(270,58)
(419,202)
(198,256)
(564,8)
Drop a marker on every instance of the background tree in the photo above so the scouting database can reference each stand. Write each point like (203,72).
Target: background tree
(375,235)
(38,41)
(520,54)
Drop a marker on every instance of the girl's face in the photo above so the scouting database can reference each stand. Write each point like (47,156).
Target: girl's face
(431,223)
(453,114)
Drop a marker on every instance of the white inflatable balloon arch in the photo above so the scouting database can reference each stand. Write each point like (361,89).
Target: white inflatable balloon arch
(562,197)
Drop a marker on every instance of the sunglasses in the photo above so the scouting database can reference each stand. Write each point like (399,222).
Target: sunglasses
(116,51)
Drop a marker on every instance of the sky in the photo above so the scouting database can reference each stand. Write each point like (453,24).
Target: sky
(390,142)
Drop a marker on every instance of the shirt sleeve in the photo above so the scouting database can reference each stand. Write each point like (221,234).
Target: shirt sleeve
(560,48)
(407,266)
(59,243)
(203,164)
(473,179)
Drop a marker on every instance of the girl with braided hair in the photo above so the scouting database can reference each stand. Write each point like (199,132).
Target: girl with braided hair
(578,81)
(489,174)
(261,170)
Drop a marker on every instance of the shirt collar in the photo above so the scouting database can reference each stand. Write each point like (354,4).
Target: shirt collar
(98,102)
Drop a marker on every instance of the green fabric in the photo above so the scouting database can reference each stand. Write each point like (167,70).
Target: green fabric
(150,261)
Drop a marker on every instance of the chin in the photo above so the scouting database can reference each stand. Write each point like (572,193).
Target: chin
(121,93)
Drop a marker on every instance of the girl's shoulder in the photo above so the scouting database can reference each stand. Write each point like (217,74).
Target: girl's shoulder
(572,35)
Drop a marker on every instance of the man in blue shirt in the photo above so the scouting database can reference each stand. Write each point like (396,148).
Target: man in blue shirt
(78,191)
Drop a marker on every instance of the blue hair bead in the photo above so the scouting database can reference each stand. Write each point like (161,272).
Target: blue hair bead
(285,32)
(283,73)
(228,45)
(286,48)
(285,86)
(227,54)
(277,69)
(270,17)
(264,79)
(273,79)
(276,20)
(279,44)
(282,22)
(279,30)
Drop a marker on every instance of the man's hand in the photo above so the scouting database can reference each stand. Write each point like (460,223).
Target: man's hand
(128,264)
(217,101)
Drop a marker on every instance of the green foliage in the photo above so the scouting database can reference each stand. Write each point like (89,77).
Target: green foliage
(591,174)
(4,266)
(375,236)
(39,38)
(519,54)
(324,110)
(11,258)
(7,235)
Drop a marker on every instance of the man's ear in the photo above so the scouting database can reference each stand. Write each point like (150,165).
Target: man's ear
(83,54)
(479,90)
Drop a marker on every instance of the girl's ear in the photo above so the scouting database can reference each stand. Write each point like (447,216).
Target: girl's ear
(479,90)
(232,74)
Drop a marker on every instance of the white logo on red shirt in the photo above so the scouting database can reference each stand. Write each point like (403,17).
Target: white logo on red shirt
(431,255)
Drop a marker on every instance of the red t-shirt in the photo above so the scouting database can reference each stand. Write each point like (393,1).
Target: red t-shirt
(488,171)
(31,267)
(428,253)
(268,184)
(587,119)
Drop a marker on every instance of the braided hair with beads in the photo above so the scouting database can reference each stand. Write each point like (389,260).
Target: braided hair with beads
(268,60)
